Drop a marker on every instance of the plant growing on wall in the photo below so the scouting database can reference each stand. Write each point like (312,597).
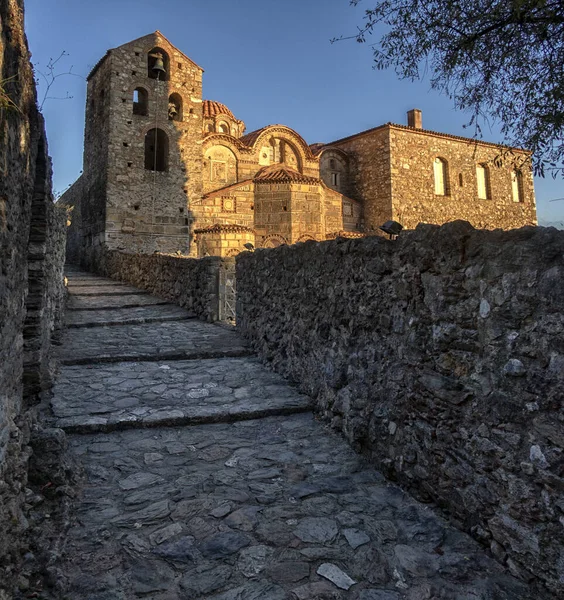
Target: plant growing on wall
(6,103)
(501,60)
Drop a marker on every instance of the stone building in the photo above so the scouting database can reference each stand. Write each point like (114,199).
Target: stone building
(166,171)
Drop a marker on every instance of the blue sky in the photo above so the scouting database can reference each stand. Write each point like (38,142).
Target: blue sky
(268,61)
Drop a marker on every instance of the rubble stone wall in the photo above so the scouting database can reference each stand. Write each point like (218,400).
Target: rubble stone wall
(441,356)
(189,282)
(32,231)
(412,154)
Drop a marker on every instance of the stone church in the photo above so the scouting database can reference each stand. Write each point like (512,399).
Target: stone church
(166,171)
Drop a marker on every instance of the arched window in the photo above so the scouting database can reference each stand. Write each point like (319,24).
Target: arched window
(175,107)
(440,170)
(210,127)
(140,101)
(483,179)
(154,58)
(223,128)
(516,186)
(156,150)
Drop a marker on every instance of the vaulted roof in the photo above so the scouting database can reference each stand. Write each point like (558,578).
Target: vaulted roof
(280,173)
(212,108)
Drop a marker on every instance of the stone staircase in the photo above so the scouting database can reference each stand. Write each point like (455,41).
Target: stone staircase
(206,476)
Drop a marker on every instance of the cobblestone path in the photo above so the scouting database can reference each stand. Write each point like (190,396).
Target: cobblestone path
(207,477)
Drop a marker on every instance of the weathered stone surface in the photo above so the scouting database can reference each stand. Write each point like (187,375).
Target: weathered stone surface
(335,575)
(224,544)
(198,584)
(317,530)
(32,254)
(157,313)
(439,354)
(163,393)
(166,527)
(239,510)
(156,341)
(356,538)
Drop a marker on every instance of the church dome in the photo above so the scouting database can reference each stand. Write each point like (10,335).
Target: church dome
(212,109)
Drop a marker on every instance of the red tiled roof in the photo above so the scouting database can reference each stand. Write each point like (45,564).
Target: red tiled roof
(316,148)
(212,108)
(226,188)
(424,132)
(280,173)
(251,137)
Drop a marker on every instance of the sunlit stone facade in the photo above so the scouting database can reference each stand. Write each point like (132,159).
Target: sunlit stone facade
(166,171)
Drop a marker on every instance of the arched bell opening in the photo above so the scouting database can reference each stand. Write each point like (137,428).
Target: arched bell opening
(140,102)
(175,108)
(158,64)
(156,150)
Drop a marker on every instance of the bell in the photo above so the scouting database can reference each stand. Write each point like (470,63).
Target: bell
(159,64)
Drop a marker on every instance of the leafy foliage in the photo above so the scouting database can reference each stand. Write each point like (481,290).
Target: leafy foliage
(501,60)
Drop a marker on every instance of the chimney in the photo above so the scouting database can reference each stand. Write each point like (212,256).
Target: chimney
(414,118)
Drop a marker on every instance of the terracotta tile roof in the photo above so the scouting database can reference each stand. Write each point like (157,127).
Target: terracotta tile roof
(251,137)
(225,228)
(226,188)
(212,108)
(424,132)
(316,148)
(282,174)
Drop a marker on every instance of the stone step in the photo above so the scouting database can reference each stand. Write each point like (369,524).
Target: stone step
(149,342)
(131,316)
(73,282)
(152,394)
(270,509)
(120,301)
(109,290)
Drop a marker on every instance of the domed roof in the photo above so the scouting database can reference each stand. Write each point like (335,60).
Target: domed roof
(211,109)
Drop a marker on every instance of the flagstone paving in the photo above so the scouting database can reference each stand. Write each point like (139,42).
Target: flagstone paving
(132,316)
(246,497)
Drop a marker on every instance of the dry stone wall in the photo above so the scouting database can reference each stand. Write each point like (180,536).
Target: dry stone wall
(31,284)
(441,356)
(189,282)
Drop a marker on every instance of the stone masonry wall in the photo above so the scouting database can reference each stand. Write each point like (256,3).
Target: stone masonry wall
(370,177)
(189,282)
(441,356)
(31,285)
(413,195)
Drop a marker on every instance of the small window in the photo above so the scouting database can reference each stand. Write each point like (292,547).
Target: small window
(460,180)
(483,179)
(140,101)
(440,170)
(332,164)
(516,186)
(223,128)
(156,150)
(335,179)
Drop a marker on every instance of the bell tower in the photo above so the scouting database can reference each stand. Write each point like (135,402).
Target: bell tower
(143,145)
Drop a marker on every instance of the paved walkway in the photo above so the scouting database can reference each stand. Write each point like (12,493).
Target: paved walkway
(207,476)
